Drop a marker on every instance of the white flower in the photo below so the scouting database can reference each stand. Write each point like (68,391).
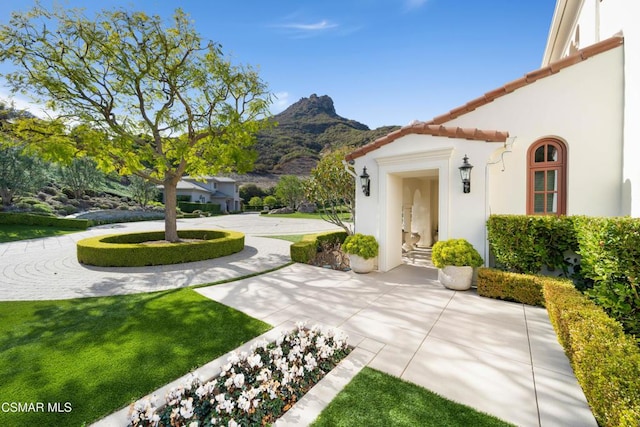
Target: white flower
(194,424)
(254,361)
(238,380)
(276,353)
(234,358)
(186,409)
(244,403)
(232,423)
(192,380)
(311,362)
(264,375)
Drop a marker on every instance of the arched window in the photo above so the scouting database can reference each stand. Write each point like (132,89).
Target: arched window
(546,178)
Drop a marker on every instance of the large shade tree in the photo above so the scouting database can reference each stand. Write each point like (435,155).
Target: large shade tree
(144,96)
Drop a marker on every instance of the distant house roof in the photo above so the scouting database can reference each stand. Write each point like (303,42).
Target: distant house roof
(209,178)
(434,127)
(220,195)
(187,185)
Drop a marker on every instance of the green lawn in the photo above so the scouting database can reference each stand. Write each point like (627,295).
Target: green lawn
(374,398)
(293,238)
(13,232)
(100,354)
(343,216)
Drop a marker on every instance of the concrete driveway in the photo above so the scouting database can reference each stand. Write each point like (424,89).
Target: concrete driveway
(47,269)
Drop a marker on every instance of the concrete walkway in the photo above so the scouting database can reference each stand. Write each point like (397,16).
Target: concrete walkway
(498,357)
(47,269)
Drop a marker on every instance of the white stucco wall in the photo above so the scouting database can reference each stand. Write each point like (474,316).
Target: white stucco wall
(581,105)
(599,20)
(414,156)
(616,16)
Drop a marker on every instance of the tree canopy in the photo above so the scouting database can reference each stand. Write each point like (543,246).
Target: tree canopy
(139,95)
(333,189)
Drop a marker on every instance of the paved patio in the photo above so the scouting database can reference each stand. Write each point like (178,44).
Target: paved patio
(498,357)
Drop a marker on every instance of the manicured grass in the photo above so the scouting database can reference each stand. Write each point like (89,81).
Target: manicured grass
(344,216)
(374,398)
(100,354)
(14,232)
(294,238)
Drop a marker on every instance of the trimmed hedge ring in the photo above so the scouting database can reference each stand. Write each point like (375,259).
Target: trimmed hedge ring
(128,250)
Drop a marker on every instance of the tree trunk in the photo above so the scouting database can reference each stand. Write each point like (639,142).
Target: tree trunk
(7,196)
(170,205)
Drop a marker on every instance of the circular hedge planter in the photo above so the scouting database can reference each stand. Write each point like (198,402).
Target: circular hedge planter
(128,250)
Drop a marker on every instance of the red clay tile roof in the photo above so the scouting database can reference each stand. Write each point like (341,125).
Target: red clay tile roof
(422,128)
(435,128)
(531,77)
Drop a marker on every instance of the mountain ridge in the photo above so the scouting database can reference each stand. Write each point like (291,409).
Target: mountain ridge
(305,131)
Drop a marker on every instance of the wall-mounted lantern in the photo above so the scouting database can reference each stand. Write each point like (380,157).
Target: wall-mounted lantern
(365,182)
(465,174)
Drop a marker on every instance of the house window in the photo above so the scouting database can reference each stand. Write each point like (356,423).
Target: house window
(546,193)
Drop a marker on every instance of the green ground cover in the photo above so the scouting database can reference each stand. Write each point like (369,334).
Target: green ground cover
(293,238)
(343,216)
(93,356)
(14,232)
(374,398)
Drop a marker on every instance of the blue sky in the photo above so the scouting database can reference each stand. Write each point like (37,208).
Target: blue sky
(384,62)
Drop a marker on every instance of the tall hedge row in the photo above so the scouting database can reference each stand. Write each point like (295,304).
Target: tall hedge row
(526,244)
(189,207)
(44,221)
(609,249)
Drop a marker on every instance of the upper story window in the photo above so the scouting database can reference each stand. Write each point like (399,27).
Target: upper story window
(546,179)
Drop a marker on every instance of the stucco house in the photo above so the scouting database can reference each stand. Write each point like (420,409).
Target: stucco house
(563,139)
(218,190)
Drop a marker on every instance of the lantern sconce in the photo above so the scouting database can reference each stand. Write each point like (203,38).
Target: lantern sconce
(365,182)
(465,174)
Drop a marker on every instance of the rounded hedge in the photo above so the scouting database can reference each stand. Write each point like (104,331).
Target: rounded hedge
(128,250)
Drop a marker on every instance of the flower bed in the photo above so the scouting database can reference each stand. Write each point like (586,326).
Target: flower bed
(252,389)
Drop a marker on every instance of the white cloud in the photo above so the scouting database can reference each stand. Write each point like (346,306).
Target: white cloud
(318,26)
(299,29)
(281,102)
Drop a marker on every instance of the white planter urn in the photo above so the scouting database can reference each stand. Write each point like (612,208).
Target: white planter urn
(361,265)
(456,278)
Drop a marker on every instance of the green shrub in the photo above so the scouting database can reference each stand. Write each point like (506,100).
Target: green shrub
(46,221)
(305,250)
(526,289)
(270,201)
(41,208)
(362,245)
(128,250)
(189,207)
(525,244)
(455,252)
(605,360)
(610,251)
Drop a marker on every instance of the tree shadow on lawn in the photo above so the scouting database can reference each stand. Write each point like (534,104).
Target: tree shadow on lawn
(100,354)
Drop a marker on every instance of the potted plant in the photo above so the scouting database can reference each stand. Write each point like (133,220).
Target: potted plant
(455,260)
(362,250)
